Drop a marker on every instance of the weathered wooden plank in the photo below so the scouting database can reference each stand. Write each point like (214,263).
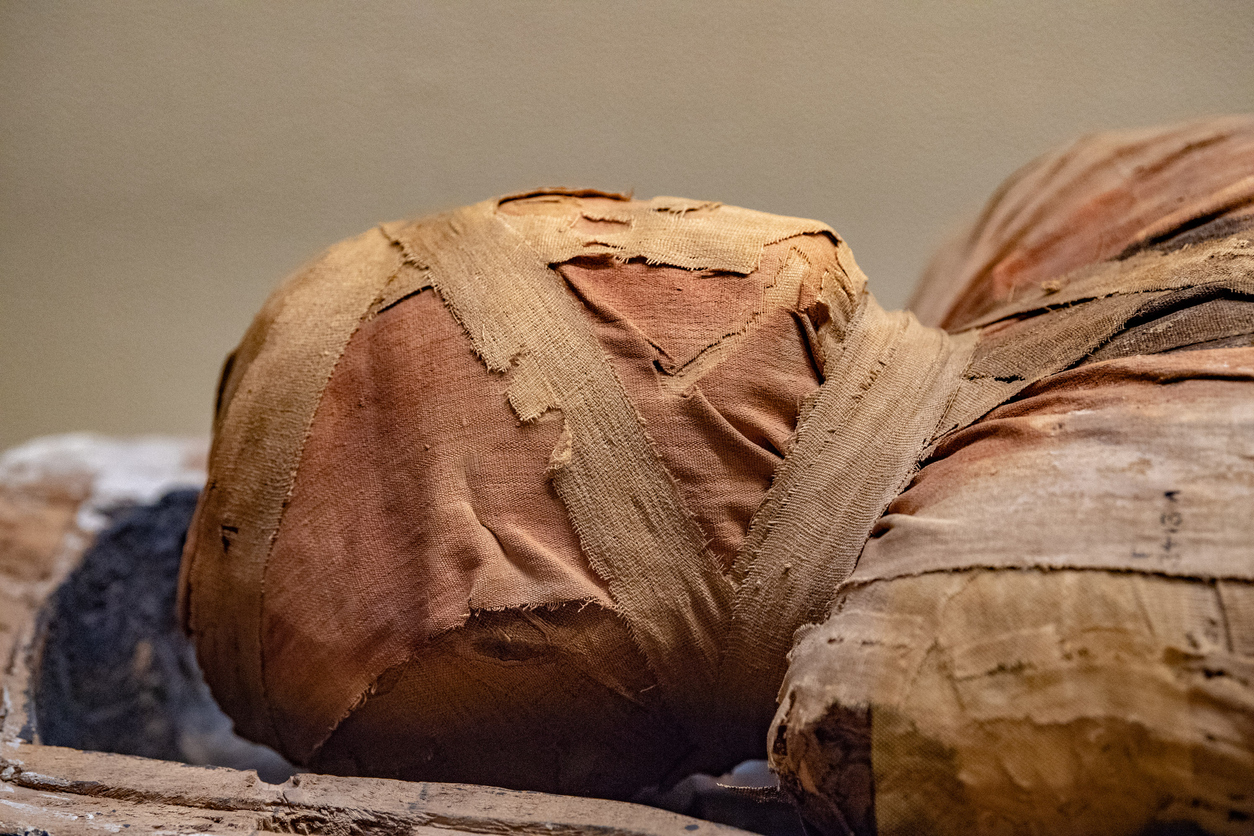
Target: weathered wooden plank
(216,800)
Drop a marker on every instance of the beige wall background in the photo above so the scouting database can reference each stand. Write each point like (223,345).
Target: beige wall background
(164,164)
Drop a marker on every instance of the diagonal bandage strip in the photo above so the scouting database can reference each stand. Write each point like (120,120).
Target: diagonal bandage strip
(627,511)
(888,382)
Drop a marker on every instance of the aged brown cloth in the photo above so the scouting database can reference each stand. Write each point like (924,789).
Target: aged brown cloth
(1107,195)
(537,492)
(1051,629)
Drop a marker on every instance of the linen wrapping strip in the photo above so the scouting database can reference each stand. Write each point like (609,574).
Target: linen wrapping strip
(888,383)
(694,235)
(1067,320)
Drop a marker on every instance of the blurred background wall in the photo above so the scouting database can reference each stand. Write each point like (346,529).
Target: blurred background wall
(163,164)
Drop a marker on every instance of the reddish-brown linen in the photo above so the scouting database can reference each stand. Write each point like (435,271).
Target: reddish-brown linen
(420,498)
(1103,196)
(553,697)
(722,437)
